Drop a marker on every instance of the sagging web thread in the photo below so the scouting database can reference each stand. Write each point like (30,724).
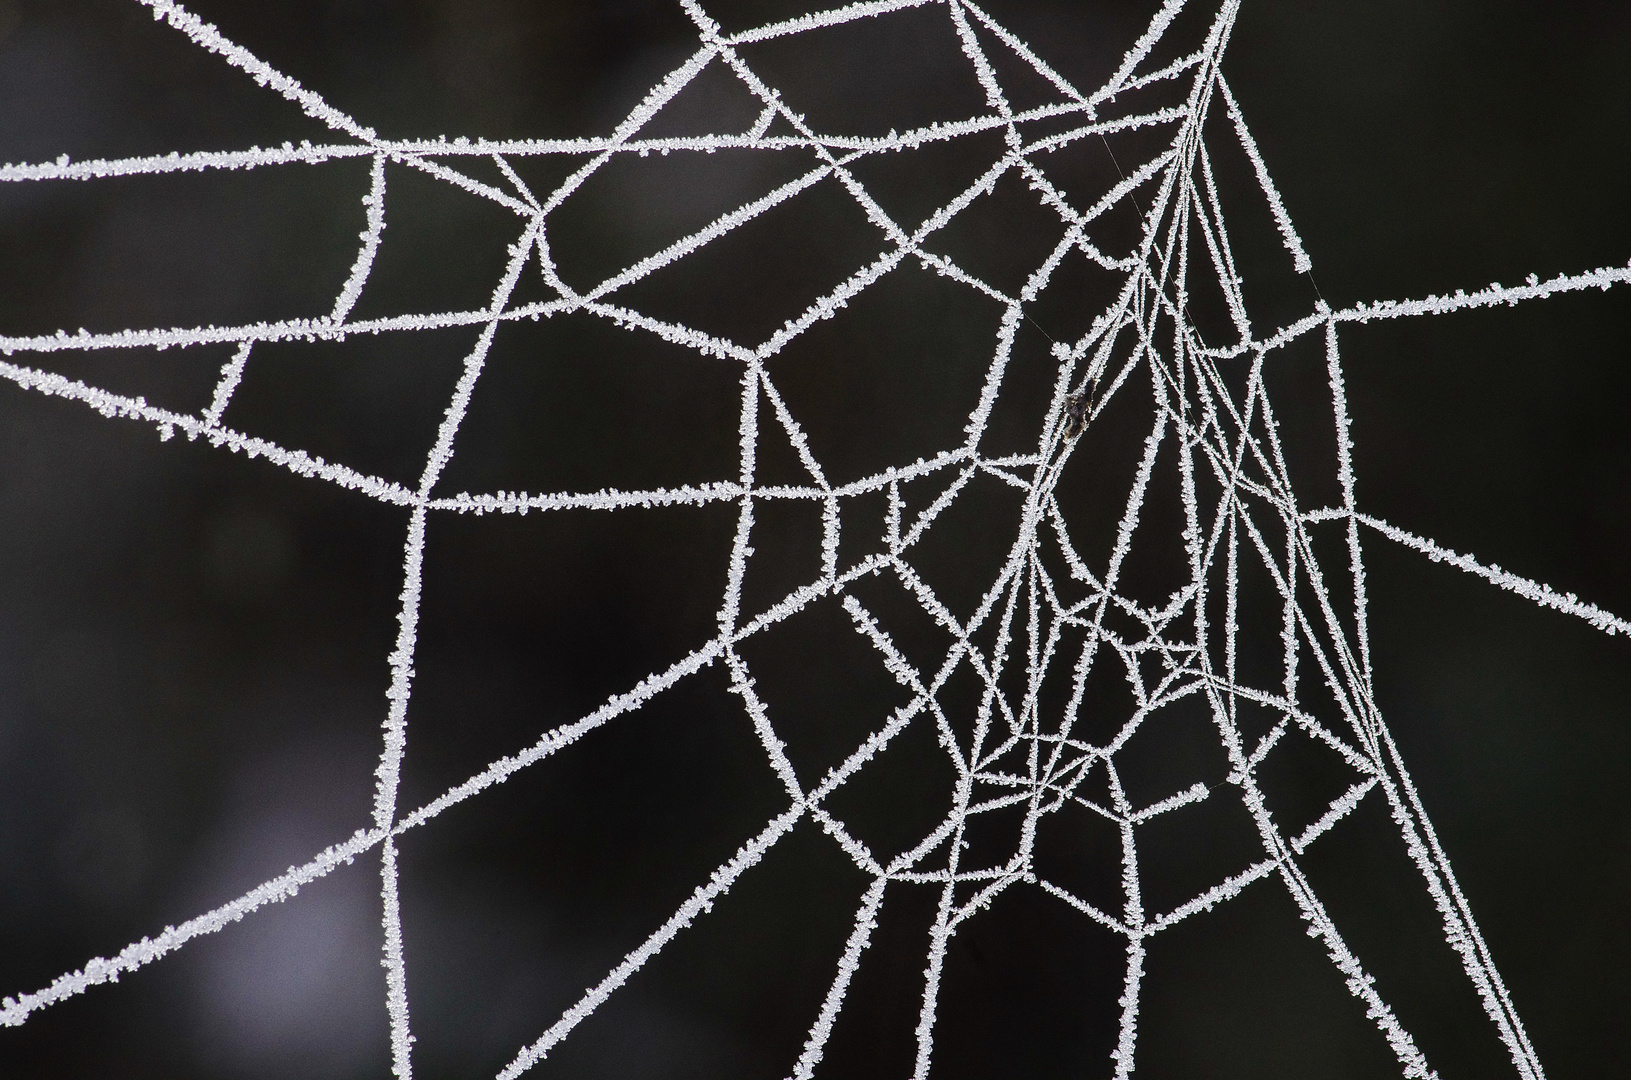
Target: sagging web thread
(1222,436)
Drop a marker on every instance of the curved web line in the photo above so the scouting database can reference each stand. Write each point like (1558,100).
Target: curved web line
(1195,419)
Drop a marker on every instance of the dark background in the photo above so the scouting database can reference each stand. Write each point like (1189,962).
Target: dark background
(192,644)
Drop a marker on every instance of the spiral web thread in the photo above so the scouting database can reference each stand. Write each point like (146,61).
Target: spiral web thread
(1222,435)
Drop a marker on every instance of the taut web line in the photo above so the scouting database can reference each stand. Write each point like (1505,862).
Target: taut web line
(1052,610)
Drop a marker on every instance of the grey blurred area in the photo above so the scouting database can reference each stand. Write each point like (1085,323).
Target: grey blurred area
(193,644)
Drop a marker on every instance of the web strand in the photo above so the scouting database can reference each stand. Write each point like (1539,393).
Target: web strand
(1016,753)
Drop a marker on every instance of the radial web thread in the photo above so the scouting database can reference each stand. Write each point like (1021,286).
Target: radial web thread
(1053,613)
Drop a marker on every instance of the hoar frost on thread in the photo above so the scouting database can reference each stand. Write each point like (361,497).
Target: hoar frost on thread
(1195,419)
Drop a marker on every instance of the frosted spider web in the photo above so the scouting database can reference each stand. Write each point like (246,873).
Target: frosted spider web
(1210,419)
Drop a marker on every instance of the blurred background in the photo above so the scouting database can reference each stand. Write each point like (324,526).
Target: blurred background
(193,644)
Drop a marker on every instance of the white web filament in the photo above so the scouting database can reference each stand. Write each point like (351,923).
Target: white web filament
(1239,507)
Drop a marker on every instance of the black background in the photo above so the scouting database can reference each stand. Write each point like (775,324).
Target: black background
(192,644)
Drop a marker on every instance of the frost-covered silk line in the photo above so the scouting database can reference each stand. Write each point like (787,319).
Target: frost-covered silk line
(1198,426)
(1535,591)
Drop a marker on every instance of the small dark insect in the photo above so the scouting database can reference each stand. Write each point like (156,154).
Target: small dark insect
(1075,413)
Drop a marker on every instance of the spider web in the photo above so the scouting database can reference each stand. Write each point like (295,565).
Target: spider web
(1055,619)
